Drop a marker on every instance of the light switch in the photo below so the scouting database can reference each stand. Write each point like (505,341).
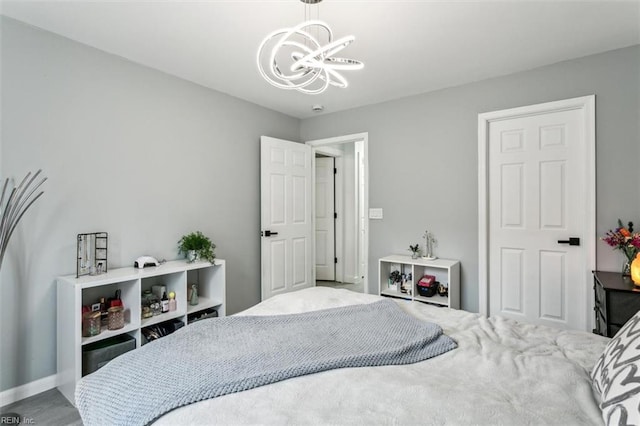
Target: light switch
(375,213)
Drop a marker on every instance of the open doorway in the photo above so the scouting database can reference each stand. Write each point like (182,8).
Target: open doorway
(340,205)
(326,216)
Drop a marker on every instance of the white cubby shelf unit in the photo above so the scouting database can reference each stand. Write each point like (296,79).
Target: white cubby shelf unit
(446,271)
(177,276)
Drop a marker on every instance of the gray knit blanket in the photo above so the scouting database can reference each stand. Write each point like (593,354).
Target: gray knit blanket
(219,356)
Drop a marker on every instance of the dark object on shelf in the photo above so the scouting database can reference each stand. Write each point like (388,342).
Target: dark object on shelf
(200,315)
(160,330)
(443,290)
(427,286)
(91,254)
(616,301)
(95,355)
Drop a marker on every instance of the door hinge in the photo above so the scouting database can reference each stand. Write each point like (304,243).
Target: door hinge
(335,215)
(335,171)
(335,260)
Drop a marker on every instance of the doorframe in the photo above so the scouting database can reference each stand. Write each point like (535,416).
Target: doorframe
(321,145)
(588,107)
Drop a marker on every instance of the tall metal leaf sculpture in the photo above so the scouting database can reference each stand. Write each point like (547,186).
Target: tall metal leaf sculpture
(18,200)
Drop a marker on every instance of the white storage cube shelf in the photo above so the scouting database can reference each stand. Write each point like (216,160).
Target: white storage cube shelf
(446,271)
(176,276)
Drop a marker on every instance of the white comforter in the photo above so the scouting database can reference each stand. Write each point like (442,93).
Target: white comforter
(502,372)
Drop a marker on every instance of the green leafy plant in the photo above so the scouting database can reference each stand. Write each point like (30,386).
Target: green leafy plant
(414,249)
(199,243)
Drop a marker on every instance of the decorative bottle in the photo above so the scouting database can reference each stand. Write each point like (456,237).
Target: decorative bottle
(103,312)
(164,303)
(172,301)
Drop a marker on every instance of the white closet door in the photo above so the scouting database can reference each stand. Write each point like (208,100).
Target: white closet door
(325,221)
(536,190)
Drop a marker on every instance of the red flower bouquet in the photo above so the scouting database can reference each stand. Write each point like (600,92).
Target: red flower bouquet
(624,239)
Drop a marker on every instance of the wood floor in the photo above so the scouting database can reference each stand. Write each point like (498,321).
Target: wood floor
(46,408)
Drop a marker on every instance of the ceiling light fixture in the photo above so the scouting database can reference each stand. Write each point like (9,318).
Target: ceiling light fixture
(294,58)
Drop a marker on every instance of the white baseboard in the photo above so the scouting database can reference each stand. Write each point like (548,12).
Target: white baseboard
(28,389)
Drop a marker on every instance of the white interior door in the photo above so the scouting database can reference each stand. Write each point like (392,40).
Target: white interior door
(537,187)
(325,220)
(285,190)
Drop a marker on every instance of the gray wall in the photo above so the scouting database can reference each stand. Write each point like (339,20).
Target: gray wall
(423,155)
(140,154)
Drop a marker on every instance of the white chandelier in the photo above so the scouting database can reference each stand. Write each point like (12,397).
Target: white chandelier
(292,58)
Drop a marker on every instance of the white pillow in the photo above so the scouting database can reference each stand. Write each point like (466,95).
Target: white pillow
(616,376)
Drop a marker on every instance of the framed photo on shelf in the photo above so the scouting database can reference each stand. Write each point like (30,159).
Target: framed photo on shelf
(91,254)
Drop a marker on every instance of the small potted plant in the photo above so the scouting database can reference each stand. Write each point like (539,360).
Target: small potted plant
(415,251)
(196,246)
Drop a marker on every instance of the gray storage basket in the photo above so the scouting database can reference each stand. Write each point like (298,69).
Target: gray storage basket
(95,355)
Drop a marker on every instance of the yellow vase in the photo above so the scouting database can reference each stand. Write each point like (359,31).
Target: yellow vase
(635,270)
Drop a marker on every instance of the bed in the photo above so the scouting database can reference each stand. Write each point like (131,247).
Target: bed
(502,372)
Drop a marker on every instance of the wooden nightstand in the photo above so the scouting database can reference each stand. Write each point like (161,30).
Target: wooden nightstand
(616,300)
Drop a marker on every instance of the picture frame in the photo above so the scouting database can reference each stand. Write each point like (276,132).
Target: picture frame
(91,253)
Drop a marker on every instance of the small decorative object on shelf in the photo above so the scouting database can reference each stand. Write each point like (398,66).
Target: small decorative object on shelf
(193,295)
(91,254)
(429,243)
(15,205)
(394,279)
(91,324)
(406,283)
(196,246)
(164,303)
(628,242)
(172,301)
(415,251)
(635,270)
(443,290)
(116,318)
(150,305)
(427,286)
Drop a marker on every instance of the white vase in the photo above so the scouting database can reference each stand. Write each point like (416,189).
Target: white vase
(192,256)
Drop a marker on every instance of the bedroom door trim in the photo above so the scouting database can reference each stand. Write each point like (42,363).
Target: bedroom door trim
(321,145)
(587,105)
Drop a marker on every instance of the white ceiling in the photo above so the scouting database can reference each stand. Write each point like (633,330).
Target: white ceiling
(408,47)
